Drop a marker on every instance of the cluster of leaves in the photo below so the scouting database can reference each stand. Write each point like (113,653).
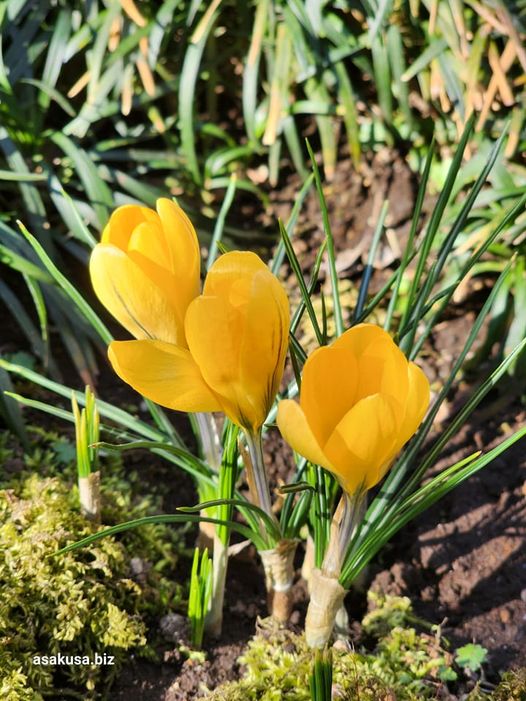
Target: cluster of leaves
(405,664)
(88,602)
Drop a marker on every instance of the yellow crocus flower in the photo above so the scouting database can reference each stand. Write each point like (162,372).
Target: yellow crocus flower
(360,402)
(146,270)
(223,350)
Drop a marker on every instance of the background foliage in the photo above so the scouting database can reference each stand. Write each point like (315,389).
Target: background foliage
(102,102)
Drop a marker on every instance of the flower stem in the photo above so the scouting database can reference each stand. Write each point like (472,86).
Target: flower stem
(257,474)
(208,533)
(214,618)
(347,516)
(327,594)
(209,439)
(278,561)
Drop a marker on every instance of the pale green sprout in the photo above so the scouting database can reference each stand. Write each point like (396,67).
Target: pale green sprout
(87,430)
(200,595)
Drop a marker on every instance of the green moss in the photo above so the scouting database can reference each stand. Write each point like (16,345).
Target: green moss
(94,600)
(405,664)
(512,686)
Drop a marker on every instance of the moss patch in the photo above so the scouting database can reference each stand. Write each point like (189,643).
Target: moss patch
(92,601)
(405,664)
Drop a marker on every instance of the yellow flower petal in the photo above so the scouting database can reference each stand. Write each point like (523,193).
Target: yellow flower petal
(264,343)
(231,276)
(237,332)
(182,243)
(296,431)
(123,221)
(148,240)
(164,373)
(328,389)
(362,441)
(131,296)
(214,331)
(357,338)
(416,404)
(382,369)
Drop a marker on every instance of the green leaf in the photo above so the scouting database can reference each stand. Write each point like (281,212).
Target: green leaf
(331,253)
(162,518)
(84,308)
(188,87)
(471,656)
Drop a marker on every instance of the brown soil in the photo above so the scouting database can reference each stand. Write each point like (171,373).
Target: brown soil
(463,562)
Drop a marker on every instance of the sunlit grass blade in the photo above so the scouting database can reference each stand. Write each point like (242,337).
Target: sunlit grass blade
(320,681)
(295,265)
(251,71)
(106,409)
(280,251)
(369,267)
(97,190)
(162,518)
(199,597)
(331,253)
(270,525)
(188,87)
(446,247)
(220,221)
(432,230)
(10,409)
(415,221)
(379,512)
(396,479)
(420,501)
(446,295)
(83,307)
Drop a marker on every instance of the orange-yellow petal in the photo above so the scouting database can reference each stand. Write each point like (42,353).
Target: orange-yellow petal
(148,240)
(357,338)
(123,221)
(237,332)
(382,369)
(417,401)
(362,441)
(131,296)
(231,274)
(328,389)
(184,258)
(264,342)
(295,429)
(164,373)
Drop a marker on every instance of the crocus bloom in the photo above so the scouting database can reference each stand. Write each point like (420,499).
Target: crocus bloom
(146,270)
(360,401)
(230,353)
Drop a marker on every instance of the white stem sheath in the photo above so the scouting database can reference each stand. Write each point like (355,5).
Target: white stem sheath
(278,564)
(89,495)
(308,560)
(326,598)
